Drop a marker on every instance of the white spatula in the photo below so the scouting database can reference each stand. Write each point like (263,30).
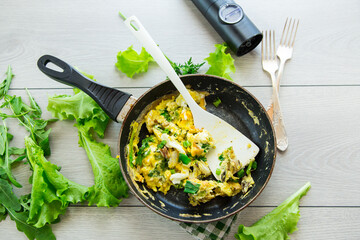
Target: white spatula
(223,133)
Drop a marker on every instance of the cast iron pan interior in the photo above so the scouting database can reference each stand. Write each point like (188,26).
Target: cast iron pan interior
(175,204)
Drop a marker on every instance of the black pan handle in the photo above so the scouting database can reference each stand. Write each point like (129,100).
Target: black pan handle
(109,99)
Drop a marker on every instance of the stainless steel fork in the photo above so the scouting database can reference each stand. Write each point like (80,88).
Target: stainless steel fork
(270,65)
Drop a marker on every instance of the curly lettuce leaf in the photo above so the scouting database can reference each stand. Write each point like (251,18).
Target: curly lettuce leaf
(51,192)
(10,204)
(109,186)
(277,224)
(130,62)
(80,107)
(221,63)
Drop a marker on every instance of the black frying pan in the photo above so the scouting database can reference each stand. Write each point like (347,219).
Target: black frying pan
(238,107)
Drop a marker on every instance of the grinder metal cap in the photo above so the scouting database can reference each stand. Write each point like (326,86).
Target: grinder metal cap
(231,23)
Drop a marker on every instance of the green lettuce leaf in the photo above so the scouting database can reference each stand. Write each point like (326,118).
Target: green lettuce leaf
(277,224)
(130,62)
(109,186)
(9,204)
(51,192)
(221,63)
(80,107)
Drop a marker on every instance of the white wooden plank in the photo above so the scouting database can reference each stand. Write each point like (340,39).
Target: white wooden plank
(142,223)
(323,145)
(89,35)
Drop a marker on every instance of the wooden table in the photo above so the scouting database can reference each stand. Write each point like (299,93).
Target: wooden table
(320,97)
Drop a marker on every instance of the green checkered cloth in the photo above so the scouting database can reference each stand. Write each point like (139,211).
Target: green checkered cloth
(210,231)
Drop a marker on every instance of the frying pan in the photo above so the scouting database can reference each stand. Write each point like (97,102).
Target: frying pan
(238,107)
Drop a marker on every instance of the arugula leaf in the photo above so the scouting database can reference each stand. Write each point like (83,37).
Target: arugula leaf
(191,188)
(130,62)
(5,85)
(221,63)
(51,192)
(277,224)
(109,184)
(9,204)
(30,118)
(187,68)
(5,161)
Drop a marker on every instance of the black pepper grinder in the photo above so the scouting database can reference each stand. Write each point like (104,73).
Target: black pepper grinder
(231,23)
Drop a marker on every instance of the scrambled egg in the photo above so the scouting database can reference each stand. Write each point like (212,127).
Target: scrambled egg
(174,154)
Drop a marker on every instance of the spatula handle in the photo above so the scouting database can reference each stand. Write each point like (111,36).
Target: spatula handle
(149,44)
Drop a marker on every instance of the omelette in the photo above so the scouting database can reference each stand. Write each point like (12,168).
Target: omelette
(173,154)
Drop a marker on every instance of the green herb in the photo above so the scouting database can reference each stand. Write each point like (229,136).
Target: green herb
(161,144)
(218,171)
(10,205)
(184,159)
(165,114)
(5,85)
(206,147)
(5,160)
(277,224)
(130,62)
(201,158)
(221,63)
(172,171)
(216,102)
(191,188)
(110,186)
(254,165)
(30,118)
(186,144)
(154,173)
(248,169)
(165,131)
(51,192)
(142,153)
(187,68)
(221,157)
(241,173)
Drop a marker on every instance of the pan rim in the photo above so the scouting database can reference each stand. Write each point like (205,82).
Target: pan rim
(135,193)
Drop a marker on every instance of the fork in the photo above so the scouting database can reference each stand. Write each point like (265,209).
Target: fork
(270,65)
(284,52)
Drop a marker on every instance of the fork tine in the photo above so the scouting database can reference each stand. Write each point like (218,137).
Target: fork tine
(292,45)
(291,33)
(266,48)
(283,33)
(287,31)
(262,47)
(274,50)
(270,45)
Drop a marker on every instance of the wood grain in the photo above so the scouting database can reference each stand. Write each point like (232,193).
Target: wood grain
(319,95)
(141,223)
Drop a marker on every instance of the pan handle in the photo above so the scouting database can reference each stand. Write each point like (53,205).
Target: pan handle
(109,99)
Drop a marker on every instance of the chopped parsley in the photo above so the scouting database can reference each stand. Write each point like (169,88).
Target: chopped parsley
(166,115)
(161,144)
(191,188)
(186,144)
(206,147)
(141,154)
(184,159)
(241,173)
(216,102)
(221,157)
